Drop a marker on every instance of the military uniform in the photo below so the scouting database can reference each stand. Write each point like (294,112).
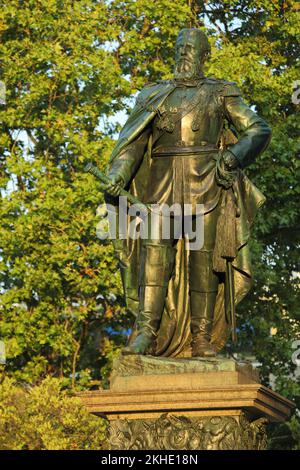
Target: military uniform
(184,126)
(193,137)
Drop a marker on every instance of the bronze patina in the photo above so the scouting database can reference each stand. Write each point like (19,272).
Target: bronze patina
(176,147)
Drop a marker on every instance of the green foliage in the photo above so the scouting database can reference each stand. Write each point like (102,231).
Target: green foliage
(69,69)
(64,65)
(285,435)
(45,417)
(257,47)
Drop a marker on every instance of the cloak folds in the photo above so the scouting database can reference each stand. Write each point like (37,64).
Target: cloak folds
(174,334)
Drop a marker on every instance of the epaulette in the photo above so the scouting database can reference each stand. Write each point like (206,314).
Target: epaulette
(212,81)
(150,84)
(230,89)
(146,92)
(224,87)
(165,82)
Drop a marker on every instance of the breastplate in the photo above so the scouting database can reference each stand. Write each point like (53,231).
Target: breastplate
(178,128)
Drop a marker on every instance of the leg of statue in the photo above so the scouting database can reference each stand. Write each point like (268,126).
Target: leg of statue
(157,260)
(203,290)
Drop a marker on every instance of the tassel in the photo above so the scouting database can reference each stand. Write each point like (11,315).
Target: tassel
(225,246)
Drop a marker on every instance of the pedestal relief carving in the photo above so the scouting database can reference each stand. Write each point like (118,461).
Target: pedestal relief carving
(171,432)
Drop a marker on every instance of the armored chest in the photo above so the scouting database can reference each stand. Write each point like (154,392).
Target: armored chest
(190,116)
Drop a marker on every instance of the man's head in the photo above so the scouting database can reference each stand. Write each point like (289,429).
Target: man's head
(191,50)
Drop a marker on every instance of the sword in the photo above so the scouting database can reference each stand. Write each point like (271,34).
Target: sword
(144,208)
(229,298)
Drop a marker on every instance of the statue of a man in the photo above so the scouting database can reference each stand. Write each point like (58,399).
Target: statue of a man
(175,148)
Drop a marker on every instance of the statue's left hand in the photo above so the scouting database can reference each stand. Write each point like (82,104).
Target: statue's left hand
(230,160)
(226,169)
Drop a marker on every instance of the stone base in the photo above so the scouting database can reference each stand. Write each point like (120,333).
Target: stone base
(132,373)
(165,403)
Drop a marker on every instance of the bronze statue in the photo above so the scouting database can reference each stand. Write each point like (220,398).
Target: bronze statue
(178,147)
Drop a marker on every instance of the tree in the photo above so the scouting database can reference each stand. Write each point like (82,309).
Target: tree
(257,47)
(64,65)
(46,417)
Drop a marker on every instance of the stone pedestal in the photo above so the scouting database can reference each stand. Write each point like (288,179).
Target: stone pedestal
(186,404)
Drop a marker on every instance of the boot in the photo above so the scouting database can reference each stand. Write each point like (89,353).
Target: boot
(202,308)
(152,300)
(157,262)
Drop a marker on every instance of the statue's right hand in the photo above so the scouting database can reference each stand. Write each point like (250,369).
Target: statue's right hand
(115,186)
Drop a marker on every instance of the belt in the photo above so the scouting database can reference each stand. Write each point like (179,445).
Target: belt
(176,150)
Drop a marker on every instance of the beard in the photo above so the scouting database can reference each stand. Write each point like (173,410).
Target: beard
(187,70)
